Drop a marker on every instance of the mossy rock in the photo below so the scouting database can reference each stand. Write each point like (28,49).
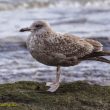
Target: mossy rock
(70,96)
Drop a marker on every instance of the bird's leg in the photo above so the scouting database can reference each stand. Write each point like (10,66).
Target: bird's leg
(54,85)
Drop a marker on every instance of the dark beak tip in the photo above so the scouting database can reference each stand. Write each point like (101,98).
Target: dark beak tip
(21,30)
(24,29)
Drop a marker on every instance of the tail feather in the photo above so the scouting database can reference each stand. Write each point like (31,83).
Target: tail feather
(96,44)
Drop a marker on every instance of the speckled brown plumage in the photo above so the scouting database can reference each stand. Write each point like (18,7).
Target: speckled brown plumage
(57,49)
(49,47)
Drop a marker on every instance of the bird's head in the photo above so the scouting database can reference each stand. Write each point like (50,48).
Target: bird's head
(38,27)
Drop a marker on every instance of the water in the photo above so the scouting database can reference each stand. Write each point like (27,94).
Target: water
(81,18)
(85,18)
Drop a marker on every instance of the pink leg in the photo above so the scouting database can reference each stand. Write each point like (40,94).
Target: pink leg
(54,85)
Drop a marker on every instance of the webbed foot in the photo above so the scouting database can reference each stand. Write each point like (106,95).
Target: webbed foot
(53,86)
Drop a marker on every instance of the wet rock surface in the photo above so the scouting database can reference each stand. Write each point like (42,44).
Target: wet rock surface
(28,95)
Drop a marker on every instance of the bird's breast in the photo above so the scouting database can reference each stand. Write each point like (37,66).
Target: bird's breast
(34,43)
(37,49)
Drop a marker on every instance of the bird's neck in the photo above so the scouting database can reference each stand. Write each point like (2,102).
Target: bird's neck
(44,34)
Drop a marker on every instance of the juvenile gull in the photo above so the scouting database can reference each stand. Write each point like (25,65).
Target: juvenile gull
(58,49)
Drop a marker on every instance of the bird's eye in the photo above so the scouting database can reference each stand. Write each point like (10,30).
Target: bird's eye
(38,26)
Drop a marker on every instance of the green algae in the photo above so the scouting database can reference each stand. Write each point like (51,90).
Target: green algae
(27,95)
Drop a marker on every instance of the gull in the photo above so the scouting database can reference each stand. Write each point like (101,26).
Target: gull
(61,49)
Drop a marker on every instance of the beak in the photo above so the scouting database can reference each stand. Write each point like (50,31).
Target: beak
(25,29)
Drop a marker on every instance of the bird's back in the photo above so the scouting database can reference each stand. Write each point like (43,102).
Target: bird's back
(67,45)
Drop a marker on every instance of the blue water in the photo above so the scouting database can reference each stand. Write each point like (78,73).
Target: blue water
(81,17)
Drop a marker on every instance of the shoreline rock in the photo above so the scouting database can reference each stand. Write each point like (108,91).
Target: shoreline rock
(29,95)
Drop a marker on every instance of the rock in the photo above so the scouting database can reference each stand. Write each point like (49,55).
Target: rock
(70,96)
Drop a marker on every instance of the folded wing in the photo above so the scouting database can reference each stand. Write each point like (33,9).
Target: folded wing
(68,45)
